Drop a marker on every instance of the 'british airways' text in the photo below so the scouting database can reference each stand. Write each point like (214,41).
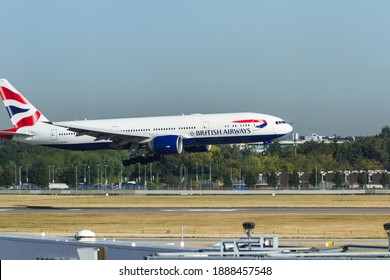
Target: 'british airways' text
(214,132)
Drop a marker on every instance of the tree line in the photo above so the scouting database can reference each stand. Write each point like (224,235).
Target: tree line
(225,164)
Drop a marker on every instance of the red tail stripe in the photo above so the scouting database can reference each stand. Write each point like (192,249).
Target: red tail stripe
(28,121)
(7,94)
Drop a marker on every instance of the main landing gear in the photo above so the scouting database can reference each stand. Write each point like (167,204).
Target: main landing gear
(265,148)
(141,159)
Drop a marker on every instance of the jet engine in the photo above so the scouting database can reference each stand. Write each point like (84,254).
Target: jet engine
(166,145)
(197,149)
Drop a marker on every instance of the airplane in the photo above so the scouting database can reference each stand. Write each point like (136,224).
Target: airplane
(147,138)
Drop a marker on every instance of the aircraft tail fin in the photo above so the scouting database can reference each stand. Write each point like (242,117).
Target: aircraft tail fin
(21,112)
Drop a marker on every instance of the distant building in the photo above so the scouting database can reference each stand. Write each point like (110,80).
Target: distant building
(58,186)
(297,140)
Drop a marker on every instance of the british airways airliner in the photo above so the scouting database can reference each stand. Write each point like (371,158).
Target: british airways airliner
(151,136)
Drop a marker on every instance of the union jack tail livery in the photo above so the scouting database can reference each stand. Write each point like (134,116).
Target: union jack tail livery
(20,110)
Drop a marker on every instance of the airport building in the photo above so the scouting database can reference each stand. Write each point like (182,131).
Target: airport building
(351,179)
(85,246)
(296,140)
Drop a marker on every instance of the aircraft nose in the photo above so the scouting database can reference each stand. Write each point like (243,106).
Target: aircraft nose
(289,128)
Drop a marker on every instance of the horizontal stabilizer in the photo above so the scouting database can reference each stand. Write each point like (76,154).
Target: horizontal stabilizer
(10,132)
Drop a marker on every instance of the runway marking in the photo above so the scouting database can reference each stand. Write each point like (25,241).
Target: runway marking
(4,210)
(212,210)
(198,210)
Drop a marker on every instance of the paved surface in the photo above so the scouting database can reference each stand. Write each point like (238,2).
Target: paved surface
(266,210)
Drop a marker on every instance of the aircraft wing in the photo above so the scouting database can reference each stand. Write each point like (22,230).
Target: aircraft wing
(120,138)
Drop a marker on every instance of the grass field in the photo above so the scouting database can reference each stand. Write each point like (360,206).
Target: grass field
(198,225)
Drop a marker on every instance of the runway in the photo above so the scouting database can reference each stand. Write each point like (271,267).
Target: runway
(190,211)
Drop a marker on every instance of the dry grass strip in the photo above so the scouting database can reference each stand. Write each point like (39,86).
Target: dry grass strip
(198,225)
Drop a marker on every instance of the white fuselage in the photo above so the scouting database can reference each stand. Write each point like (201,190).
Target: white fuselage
(196,130)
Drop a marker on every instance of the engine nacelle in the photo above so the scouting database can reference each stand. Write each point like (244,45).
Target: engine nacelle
(198,149)
(166,145)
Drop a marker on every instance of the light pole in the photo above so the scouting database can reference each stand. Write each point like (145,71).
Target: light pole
(197,179)
(185,177)
(85,178)
(210,175)
(15,176)
(89,176)
(53,172)
(240,178)
(145,184)
(151,172)
(202,179)
(323,178)
(120,177)
(76,178)
(139,173)
(105,175)
(295,139)
(98,175)
(27,175)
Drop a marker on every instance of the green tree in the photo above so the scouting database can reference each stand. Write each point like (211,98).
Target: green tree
(338,179)
(362,179)
(227,180)
(171,180)
(273,179)
(39,173)
(385,180)
(294,179)
(314,177)
(385,132)
(7,176)
(250,179)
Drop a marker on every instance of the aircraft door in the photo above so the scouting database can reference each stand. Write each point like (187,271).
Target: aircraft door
(206,125)
(54,135)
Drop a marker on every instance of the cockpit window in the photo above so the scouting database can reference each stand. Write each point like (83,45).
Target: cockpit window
(280,122)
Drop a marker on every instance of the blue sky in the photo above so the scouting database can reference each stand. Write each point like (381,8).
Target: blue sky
(322,65)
